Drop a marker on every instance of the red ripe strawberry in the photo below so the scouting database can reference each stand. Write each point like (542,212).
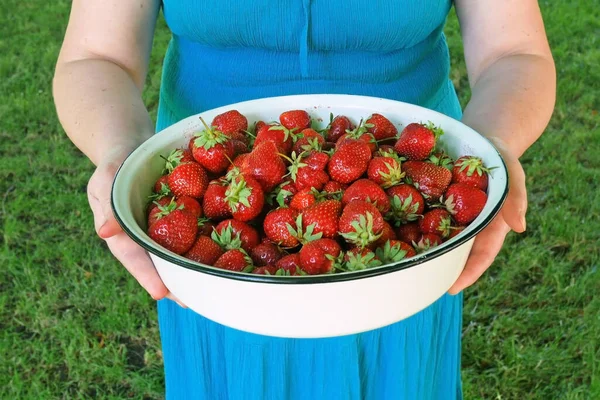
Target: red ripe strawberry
(274,133)
(361,224)
(282,195)
(455,231)
(337,127)
(175,231)
(431,180)
(406,202)
(385,171)
(470,171)
(233,234)
(161,187)
(157,207)
(409,233)
(303,199)
(323,218)
(266,270)
(190,205)
(316,160)
(290,264)
(307,140)
(266,254)
(318,256)
(357,259)
(235,260)
(366,190)
(245,198)
(334,189)
(295,119)
(205,251)
(205,226)
(307,178)
(464,202)
(177,157)
(436,221)
(441,159)
(427,241)
(265,165)
(239,147)
(363,137)
(188,179)
(395,250)
(417,141)
(241,163)
(214,203)
(381,127)
(349,162)
(386,234)
(277,225)
(212,149)
(230,122)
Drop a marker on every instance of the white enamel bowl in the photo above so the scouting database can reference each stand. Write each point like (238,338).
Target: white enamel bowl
(313,306)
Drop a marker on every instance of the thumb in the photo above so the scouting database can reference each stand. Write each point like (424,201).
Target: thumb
(515,208)
(99,191)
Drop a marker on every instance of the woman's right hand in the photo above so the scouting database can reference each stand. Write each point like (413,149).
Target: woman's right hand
(133,257)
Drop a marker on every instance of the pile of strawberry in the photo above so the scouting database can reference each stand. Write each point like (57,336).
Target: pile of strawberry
(287,199)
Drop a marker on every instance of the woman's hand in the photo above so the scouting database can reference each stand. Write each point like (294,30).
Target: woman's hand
(512,217)
(131,255)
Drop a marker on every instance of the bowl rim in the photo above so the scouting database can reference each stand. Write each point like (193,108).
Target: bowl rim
(435,252)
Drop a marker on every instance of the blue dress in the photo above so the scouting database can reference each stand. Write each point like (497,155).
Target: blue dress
(225,51)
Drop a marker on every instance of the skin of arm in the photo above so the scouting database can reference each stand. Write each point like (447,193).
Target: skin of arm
(97,88)
(513,83)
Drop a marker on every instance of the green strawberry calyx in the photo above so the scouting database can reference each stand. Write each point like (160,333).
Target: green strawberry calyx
(360,130)
(473,165)
(357,261)
(238,193)
(172,160)
(295,163)
(303,236)
(393,177)
(286,132)
(389,254)
(226,239)
(209,137)
(163,192)
(279,195)
(363,234)
(403,211)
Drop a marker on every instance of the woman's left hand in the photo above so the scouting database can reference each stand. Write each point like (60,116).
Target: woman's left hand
(512,217)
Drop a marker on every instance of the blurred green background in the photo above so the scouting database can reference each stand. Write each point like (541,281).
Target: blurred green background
(74,324)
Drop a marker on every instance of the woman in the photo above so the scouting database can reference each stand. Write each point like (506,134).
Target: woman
(225,52)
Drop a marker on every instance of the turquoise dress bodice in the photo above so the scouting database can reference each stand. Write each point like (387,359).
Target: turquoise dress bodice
(224,52)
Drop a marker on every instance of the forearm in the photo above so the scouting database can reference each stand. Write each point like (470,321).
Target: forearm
(100,107)
(512,101)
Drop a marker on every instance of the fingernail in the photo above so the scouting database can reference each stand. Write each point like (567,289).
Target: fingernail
(523,222)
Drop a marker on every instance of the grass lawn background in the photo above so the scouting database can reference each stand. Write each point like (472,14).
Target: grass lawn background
(74,324)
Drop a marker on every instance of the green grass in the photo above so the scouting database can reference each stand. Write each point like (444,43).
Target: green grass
(73,324)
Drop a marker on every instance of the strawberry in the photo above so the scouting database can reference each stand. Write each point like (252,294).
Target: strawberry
(205,226)
(385,171)
(431,180)
(282,195)
(337,127)
(177,157)
(235,260)
(290,264)
(417,141)
(316,160)
(265,254)
(161,187)
(245,198)
(274,133)
(471,171)
(366,190)
(386,150)
(455,231)
(409,233)
(322,217)
(361,224)
(205,251)
(214,203)
(156,209)
(357,134)
(380,127)
(212,149)
(265,270)
(241,163)
(277,225)
(318,256)
(304,176)
(427,241)
(190,205)
(386,234)
(303,199)
(441,159)
(357,259)
(407,204)
(436,221)
(464,202)
(395,250)
(239,147)
(295,119)
(188,179)
(334,189)
(166,205)
(176,231)
(230,122)
(265,165)
(307,140)
(233,234)
(349,162)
